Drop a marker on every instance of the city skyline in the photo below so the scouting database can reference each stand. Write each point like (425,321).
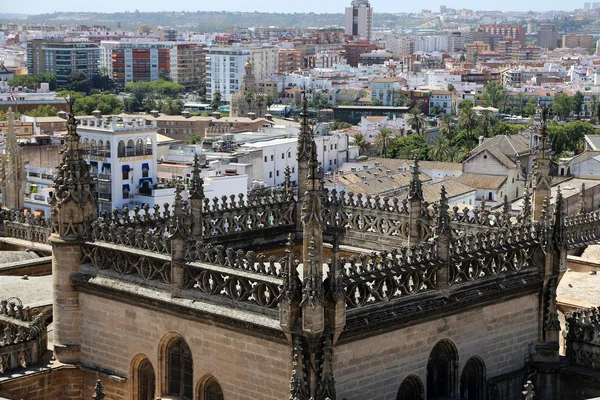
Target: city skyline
(337,6)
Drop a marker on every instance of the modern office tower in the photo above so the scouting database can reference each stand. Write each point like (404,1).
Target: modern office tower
(359,20)
(547,36)
(61,58)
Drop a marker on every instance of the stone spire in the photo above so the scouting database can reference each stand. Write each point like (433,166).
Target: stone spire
(559,223)
(303,154)
(582,201)
(415,198)
(197,200)
(443,218)
(73,203)
(416,190)
(541,179)
(12,168)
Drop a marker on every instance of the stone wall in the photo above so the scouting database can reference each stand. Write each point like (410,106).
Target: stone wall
(61,382)
(114,334)
(374,367)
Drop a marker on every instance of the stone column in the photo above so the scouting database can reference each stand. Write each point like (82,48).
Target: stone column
(65,298)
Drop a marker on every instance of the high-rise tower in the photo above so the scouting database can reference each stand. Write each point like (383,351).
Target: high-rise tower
(359,20)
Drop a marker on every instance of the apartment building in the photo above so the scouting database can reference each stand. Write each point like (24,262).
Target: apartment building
(135,61)
(572,41)
(289,61)
(61,58)
(265,61)
(547,36)
(491,34)
(224,71)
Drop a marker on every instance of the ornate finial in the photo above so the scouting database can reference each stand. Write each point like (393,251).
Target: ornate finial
(312,287)
(582,202)
(506,206)
(305,135)
(416,190)
(528,392)
(559,222)
(98,391)
(178,190)
(526,210)
(73,184)
(443,218)
(197,191)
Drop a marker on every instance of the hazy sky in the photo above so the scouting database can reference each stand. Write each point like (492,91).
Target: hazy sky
(317,6)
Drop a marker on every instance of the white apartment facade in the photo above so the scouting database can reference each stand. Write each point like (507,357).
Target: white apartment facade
(224,71)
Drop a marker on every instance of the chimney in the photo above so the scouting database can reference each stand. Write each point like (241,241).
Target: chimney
(154,113)
(363,179)
(388,172)
(269,117)
(376,174)
(353,169)
(480,140)
(377,165)
(252,115)
(62,114)
(216,115)
(96,113)
(365,167)
(185,114)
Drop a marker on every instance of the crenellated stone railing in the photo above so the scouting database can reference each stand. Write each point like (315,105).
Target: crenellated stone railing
(23,336)
(248,215)
(582,229)
(19,225)
(583,337)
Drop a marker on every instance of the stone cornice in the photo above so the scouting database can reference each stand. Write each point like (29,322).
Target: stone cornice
(158,300)
(382,318)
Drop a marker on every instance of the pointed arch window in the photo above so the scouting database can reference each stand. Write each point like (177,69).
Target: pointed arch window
(180,369)
(146,381)
(472,380)
(211,390)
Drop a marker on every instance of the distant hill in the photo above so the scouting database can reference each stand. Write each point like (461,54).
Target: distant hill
(204,21)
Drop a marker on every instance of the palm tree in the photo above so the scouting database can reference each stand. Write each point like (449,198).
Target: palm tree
(360,141)
(269,100)
(520,96)
(216,101)
(384,140)
(448,127)
(457,153)
(249,99)
(486,121)
(417,120)
(260,100)
(467,119)
(441,150)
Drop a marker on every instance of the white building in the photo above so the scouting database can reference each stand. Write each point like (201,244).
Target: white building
(224,71)
(276,155)
(265,61)
(359,20)
(122,156)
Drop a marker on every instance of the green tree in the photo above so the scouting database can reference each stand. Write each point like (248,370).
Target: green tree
(384,140)
(408,146)
(360,141)
(45,110)
(563,105)
(376,102)
(530,107)
(33,82)
(249,96)
(269,102)
(448,127)
(416,120)
(164,74)
(486,121)
(159,88)
(467,119)
(465,104)
(570,136)
(577,103)
(171,107)
(450,87)
(493,94)
(338,125)
(194,138)
(521,97)
(216,101)
(103,81)
(78,81)
(107,104)
(441,150)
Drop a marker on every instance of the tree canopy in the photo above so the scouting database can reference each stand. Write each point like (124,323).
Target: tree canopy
(33,81)
(160,87)
(408,146)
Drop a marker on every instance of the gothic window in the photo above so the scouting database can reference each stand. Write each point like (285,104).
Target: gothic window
(411,388)
(211,390)
(472,380)
(180,369)
(441,371)
(146,380)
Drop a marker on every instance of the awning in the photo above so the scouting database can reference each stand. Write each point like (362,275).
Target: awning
(126,187)
(94,164)
(38,213)
(149,180)
(105,166)
(126,168)
(145,166)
